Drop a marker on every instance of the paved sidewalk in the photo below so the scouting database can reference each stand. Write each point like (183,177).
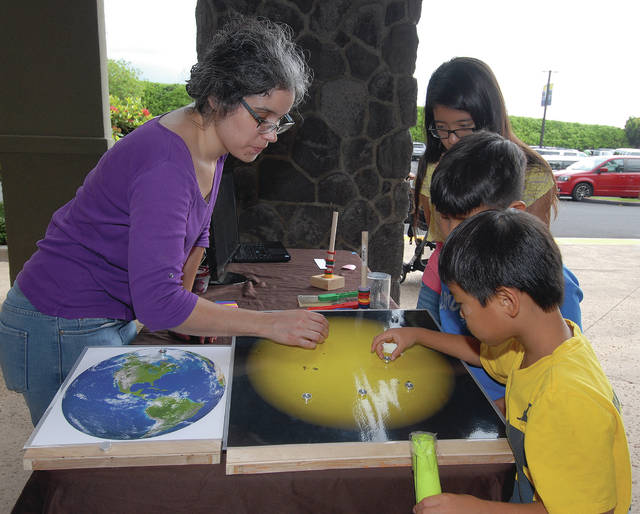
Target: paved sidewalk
(15,424)
(607,270)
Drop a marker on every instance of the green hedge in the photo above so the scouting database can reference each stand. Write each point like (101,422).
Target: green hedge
(556,133)
(567,134)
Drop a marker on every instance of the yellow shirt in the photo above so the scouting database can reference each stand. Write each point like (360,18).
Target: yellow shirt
(537,182)
(564,427)
(434,233)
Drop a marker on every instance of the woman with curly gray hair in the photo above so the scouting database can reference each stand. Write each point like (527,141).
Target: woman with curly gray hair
(247,57)
(128,245)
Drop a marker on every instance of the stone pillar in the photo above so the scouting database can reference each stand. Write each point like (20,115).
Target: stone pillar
(353,150)
(54,121)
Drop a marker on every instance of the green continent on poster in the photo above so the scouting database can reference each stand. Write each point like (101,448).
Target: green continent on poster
(135,372)
(169,412)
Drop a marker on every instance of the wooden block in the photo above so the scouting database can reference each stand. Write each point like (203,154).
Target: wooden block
(124,454)
(118,462)
(329,284)
(307,457)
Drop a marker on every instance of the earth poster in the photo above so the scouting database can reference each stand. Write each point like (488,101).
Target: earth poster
(143,394)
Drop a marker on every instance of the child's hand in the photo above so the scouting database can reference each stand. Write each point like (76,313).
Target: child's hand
(402,337)
(450,503)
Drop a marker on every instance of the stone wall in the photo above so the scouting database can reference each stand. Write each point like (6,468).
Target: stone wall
(353,149)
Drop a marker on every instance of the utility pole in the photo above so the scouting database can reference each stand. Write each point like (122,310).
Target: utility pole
(546,100)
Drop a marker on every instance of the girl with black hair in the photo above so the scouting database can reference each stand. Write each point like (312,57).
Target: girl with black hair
(463,96)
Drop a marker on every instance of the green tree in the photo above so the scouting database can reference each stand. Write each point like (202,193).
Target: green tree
(3,227)
(417,131)
(632,129)
(124,79)
(161,98)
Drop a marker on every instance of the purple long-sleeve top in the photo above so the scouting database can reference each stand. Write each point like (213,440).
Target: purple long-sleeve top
(117,250)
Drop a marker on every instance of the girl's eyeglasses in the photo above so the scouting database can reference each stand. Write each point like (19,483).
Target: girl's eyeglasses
(444,133)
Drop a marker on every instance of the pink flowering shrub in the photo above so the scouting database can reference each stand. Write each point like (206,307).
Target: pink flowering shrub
(126,115)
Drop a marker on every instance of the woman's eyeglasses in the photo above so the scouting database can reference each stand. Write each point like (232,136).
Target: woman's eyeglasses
(264,126)
(445,133)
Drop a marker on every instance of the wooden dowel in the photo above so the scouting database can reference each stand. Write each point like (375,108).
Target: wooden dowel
(328,280)
(334,227)
(363,256)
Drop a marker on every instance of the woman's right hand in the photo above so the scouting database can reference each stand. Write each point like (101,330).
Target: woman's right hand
(298,328)
(402,337)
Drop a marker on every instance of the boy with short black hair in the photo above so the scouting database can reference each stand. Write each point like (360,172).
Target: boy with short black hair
(485,171)
(563,420)
(482,171)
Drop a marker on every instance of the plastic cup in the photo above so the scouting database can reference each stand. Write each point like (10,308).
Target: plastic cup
(380,285)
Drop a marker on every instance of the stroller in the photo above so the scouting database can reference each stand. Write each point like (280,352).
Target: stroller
(417,261)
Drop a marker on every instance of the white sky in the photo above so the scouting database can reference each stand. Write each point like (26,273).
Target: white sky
(591,46)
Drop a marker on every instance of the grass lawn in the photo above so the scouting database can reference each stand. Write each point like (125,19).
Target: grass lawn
(616,199)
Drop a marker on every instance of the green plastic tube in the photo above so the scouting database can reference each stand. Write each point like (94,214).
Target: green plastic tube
(425,465)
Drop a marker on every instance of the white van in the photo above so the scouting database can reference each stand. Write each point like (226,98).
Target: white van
(560,158)
(601,151)
(547,153)
(626,151)
(560,162)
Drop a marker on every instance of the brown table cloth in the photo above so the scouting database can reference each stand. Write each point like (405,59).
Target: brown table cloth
(206,489)
(199,488)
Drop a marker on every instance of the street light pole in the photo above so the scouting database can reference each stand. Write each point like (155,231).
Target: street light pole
(546,102)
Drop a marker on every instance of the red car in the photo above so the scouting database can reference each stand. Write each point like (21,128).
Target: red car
(612,175)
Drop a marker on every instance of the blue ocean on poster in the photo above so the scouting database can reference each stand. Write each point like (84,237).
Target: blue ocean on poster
(143,394)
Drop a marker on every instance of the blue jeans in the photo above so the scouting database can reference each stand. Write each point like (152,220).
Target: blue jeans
(430,300)
(38,351)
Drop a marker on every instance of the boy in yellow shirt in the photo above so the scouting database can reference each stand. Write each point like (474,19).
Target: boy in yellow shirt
(563,419)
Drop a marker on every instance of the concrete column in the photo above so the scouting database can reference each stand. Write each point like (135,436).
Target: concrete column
(54,111)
